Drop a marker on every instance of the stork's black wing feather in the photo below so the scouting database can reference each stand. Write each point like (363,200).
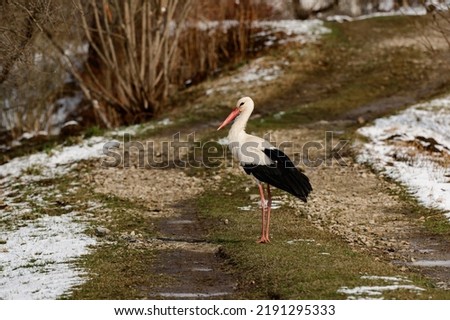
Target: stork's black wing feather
(282,174)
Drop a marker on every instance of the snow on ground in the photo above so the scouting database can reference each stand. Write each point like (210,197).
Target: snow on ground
(413,147)
(35,261)
(376,291)
(404,11)
(297,30)
(57,162)
(257,72)
(387,10)
(36,255)
(263,70)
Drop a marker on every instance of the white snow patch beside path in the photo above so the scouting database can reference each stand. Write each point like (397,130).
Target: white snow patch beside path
(393,149)
(57,162)
(35,261)
(376,291)
(36,256)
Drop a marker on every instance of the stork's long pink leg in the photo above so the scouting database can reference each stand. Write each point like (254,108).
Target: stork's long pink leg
(269,206)
(263,239)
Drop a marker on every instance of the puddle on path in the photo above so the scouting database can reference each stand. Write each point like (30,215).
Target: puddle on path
(193,268)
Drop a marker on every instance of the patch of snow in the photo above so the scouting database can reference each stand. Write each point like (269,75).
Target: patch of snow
(386,5)
(404,11)
(223,25)
(256,73)
(131,130)
(139,128)
(165,122)
(377,290)
(70,123)
(385,278)
(223,141)
(76,49)
(297,30)
(392,149)
(245,208)
(261,71)
(369,292)
(35,261)
(300,240)
(440,5)
(26,136)
(57,163)
(279,115)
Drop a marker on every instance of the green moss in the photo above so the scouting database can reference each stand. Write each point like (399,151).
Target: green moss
(93,131)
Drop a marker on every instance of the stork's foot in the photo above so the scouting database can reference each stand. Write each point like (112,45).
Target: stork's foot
(263,240)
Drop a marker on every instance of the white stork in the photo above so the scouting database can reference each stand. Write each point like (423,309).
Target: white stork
(264,162)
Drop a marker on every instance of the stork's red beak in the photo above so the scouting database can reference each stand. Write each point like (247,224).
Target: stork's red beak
(230,118)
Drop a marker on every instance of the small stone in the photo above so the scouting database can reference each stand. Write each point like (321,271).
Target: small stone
(254,197)
(225,221)
(70,128)
(3,241)
(102,231)
(3,205)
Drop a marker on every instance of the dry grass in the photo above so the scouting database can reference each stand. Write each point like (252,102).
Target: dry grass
(141,54)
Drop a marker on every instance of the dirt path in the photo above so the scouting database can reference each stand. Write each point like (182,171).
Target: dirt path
(191,266)
(194,265)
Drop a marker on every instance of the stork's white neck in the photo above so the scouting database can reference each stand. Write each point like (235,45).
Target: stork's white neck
(240,122)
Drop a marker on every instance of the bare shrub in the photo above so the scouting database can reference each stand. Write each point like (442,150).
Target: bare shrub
(142,51)
(219,33)
(126,57)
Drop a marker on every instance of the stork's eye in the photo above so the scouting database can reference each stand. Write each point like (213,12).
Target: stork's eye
(241,104)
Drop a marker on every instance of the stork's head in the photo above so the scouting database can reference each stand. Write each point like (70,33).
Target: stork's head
(243,104)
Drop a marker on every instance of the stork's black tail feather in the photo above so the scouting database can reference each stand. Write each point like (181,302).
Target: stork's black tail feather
(281,174)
